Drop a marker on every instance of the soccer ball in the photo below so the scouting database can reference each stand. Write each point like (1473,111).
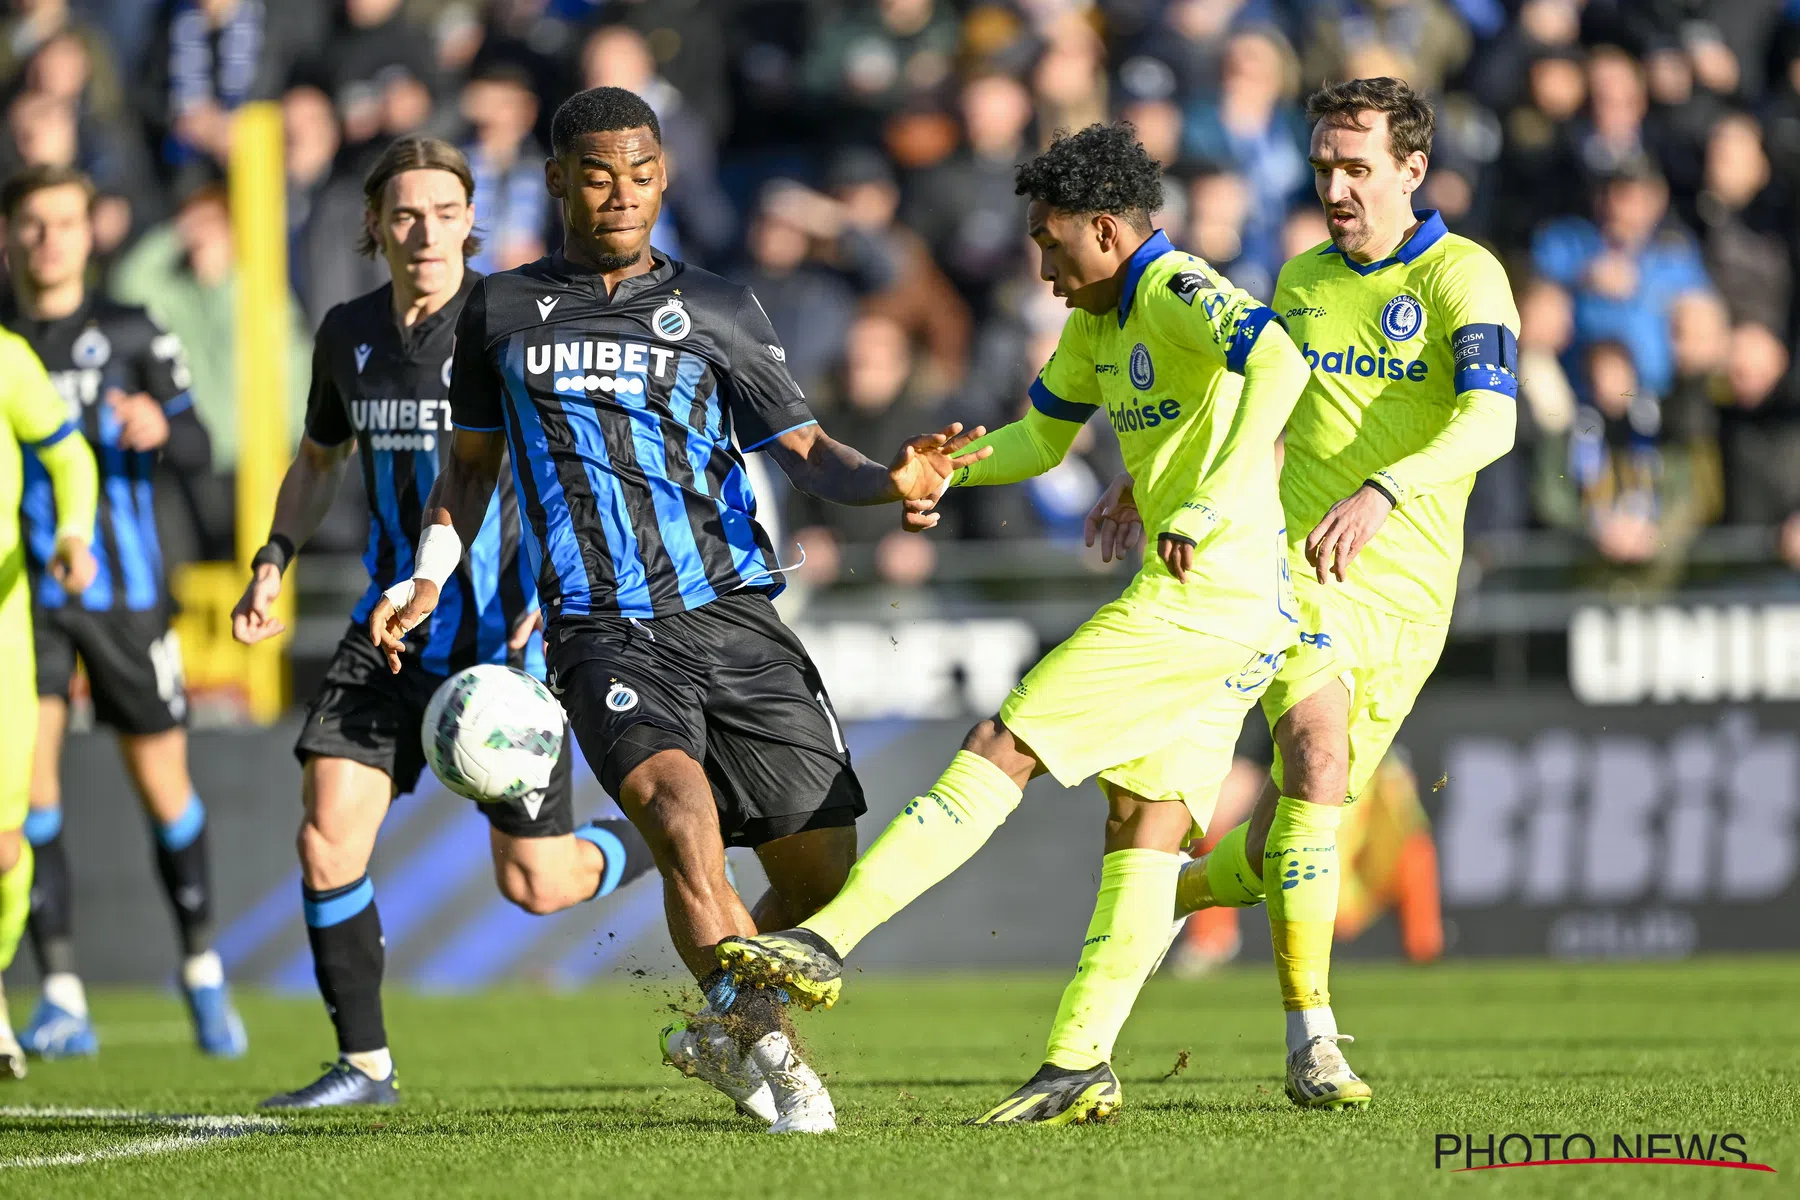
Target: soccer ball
(492,733)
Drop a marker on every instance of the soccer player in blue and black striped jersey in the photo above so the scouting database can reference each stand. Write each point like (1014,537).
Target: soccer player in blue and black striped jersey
(125,382)
(627,387)
(380,385)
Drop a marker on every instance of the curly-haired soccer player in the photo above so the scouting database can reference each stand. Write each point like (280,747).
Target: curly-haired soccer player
(1198,379)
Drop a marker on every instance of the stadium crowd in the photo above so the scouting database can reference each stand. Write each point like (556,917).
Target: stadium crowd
(1635,163)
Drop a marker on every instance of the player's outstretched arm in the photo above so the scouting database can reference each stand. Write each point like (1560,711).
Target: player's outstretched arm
(453,514)
(1016,451)
(306,495)
(822,466)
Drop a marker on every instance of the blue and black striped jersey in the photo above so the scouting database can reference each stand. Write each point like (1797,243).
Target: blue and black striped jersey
(99,347)
(627,417)
(389,388)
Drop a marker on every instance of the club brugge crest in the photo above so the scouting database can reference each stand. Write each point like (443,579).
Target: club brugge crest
(91,349)
(620,698)
(1403,317)
(671,322)
(446,375)
(1143,373)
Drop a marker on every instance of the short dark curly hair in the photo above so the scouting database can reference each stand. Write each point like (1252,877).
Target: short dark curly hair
(600,110)
(1101,169)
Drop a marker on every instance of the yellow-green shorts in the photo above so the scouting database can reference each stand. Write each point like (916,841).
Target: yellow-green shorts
(18,707)
(1146,704)
(1382,659)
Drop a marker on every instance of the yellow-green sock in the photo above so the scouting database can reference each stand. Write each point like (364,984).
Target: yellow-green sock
(1223,880)
(15,902)
(935,834)
(1125,939)
(1300,870)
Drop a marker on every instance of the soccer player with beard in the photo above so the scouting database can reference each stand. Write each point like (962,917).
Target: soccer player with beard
(124,380)
(1412,338)
(380,385)
(628,387)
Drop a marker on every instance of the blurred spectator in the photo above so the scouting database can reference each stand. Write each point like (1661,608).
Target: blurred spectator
(921,300)
(47,129)
(1422,41)
(1621,481)
(697,210)
(1218,217)
(512,206)
(1761,430)
(211,56)
(182,272)
(1539,174)
(60,44)
(810,268)
(875,405)
(1743,217)
(1183,47)
(377,58)
(325,208)
(1499,76)
(1304,230)
(866,61)
(1626,270)
(1069,81)
(687,40)
(965,208)
(1255,130)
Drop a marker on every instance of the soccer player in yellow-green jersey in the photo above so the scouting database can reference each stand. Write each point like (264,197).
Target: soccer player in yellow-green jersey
(1150,693)
(31,413)
(1410,333)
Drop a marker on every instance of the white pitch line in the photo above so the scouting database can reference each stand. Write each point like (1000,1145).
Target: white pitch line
(195,1131)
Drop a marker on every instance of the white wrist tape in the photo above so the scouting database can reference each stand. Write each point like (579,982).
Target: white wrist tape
(436,559)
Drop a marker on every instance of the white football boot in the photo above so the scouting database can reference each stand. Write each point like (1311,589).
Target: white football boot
(801,1101)
(701,1049)
(1319,1077)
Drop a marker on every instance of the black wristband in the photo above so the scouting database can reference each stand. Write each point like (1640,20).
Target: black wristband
(278,551)
(1180,537)
(1370,483)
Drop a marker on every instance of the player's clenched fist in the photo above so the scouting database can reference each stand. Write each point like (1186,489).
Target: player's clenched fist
(400,608)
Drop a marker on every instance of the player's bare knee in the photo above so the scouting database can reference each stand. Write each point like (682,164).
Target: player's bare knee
(992,740)
(326,862)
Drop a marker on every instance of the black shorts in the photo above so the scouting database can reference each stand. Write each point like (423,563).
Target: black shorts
(732,687)
(1255,742)
(133,662)
(367,714)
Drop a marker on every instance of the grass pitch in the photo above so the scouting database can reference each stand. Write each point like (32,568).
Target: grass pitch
(530,1094)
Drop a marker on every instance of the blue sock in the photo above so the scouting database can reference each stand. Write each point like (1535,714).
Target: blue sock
(181,864)
(614,850)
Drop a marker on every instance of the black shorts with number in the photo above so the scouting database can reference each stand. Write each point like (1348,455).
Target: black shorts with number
(728,684)
(367,714)
(133,665)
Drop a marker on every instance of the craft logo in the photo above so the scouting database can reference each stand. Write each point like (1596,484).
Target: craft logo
(1492,1151)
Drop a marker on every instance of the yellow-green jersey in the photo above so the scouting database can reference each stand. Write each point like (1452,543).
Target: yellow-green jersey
(33,413)
(1168,368)
(1414,363)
